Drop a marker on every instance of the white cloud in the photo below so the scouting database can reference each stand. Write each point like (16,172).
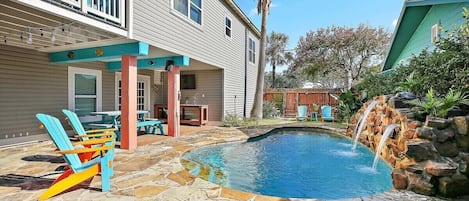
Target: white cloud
(394,22)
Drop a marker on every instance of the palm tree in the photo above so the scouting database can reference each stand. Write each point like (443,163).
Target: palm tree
(256,112)
(275,52)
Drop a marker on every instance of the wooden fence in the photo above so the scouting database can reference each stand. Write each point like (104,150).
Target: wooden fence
(290,99)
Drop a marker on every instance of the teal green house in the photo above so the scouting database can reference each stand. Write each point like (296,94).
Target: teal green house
(418,28)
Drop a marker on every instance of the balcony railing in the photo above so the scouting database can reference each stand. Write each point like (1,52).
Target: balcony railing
(111,10)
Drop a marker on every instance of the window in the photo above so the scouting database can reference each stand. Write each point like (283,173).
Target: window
(252,51)
(228,27)
(435,33)
(84,90)
(188,81)
(143,92)
(190,8)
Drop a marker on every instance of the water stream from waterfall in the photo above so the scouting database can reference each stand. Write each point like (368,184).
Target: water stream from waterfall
(385,136)
(361,123)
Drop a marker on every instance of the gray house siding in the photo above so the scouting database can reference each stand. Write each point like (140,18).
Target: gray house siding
(156,23)
(30,84)
(208,83)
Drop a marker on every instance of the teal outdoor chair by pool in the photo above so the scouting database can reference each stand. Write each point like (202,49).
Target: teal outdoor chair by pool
(78,170)
(326,113)
(83,134)
(302,110)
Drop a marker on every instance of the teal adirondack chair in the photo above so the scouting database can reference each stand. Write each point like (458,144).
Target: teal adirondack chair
(326,113)
(302,110)
(85,135)
(77,170)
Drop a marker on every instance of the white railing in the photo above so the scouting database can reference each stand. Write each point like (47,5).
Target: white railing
(113,10)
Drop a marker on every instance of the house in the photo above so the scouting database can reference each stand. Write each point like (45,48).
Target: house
(104,55)
(418,28)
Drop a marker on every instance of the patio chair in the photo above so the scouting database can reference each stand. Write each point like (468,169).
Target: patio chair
(78,170)
(85,135)
(326,113)
(302,109)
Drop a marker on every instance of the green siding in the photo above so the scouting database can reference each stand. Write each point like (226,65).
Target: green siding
(446,14)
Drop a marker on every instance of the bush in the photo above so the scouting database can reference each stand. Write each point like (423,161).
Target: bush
(233,120)
(439,107)
(269,110)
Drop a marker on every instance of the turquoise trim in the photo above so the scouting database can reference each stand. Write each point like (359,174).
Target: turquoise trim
(99,53)
(433,2)
(152,63)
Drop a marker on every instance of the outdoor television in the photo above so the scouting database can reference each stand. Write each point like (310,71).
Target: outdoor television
(188,81)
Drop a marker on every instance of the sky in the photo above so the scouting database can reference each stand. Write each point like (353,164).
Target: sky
(296,17)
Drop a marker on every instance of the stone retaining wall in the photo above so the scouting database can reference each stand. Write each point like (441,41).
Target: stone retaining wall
(429,157)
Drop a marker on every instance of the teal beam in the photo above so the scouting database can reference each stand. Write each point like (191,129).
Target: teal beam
(99,53)
(152,63)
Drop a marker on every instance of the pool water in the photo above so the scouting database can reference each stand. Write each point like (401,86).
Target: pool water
(294,164)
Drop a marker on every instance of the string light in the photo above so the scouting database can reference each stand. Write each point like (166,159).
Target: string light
(52,36)
(42,32)
(30,36)
(21,36)
(5,39)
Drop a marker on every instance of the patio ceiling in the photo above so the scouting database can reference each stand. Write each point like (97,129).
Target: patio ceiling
(31,28)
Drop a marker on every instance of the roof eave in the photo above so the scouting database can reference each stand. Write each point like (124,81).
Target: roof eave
(243,16)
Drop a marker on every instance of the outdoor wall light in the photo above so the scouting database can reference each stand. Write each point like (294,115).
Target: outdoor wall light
(169,65)
(151,63)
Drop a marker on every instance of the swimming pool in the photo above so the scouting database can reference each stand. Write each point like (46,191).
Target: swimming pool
(293,164)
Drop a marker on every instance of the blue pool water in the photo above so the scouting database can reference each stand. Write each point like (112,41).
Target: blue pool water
(295,164)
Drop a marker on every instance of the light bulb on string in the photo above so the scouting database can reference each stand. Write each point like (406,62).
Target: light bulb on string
(42,32)
(5,39)
(30,37)
(52,36)
(21,36)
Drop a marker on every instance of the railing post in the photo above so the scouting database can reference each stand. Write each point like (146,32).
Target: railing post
(84,6)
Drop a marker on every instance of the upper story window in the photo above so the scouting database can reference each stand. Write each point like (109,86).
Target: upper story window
(228,27)
(252,51)
(190,8)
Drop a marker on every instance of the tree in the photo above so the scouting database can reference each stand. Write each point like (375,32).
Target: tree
(275,52)
(286,79)
(256,112)
(341,51)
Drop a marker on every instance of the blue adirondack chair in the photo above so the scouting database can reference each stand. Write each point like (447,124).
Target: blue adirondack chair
(77,170)
(85,135)
(326,113)
(302,110)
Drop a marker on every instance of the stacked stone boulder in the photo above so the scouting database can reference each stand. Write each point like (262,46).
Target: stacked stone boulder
(429,157)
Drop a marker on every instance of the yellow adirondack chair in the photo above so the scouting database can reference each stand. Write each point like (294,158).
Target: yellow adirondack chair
(78,170)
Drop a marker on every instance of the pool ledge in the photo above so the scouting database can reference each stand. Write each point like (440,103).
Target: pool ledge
(151,172)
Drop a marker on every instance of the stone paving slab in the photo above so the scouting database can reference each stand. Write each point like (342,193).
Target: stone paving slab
(150,172)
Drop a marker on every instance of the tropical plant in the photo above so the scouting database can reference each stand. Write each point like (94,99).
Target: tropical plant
(256,111)
(233,120)
(275,52)
(269,110)
(412,83)
(439,107)
(349,104)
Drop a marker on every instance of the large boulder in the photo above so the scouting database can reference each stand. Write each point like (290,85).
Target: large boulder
(463,142)
(399,179)
(448,149)
(462,124)
(456,185)
(440,169)
(445,135)
(427,133)
(421,185)
(436,122)
(421,150)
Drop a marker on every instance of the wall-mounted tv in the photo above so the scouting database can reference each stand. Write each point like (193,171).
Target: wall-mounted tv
(188,81)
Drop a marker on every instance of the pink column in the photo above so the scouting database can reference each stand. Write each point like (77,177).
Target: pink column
(174,96)
(129,103)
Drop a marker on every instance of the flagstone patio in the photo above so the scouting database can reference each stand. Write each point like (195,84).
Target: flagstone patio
(151,172)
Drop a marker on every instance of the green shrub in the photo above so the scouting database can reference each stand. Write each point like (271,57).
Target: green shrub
(269,110)
(439,107)
(233,120)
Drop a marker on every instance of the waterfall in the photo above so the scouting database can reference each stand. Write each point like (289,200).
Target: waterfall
(361,123)
(385,136)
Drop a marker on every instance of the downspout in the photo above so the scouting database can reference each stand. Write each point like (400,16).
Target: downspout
(245,69)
